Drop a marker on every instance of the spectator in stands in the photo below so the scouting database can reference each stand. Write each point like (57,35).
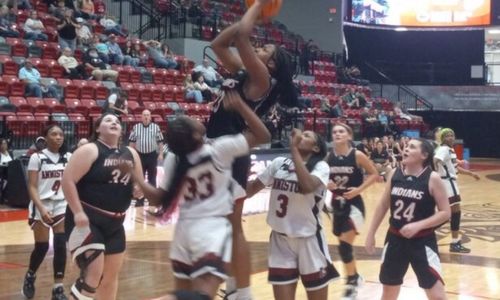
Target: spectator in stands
(380,158)
(87,10)
(169,56)
(200,85)
(306,56)
(34,28)
(370,123)
(157,54)
(190,92)
(39,144)
(354,99)
(212,78)
(401,113)
(115,52)
(117,103)
(7,28)
(34,86)
(83,33)
(132,54)
(102,48)
(100,70)
(18,4)
(363,147)
(58,11)
(66,30)
(384,121)
(72,68)
(111,26)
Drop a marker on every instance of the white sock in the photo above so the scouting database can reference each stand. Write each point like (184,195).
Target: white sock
(56,285)
(455,240)
(244,294)
(230,284)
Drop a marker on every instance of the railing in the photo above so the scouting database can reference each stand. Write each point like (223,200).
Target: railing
(409,98)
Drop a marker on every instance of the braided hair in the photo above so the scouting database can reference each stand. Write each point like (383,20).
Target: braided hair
(180,140)
(317,156)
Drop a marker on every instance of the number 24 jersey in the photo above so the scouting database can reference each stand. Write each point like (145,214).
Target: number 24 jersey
(290,212)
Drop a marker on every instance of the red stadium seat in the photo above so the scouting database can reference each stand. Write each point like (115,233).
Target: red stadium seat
(54,105)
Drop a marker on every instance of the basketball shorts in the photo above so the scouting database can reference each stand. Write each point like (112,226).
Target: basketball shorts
(307,257)
(201,246)
(421,253)
(348,215)
(452,191)
(56,208)
(106,230)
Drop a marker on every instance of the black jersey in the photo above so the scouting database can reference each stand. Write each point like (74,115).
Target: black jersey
(225,122)
(379,157)
(344,171)
(411,200)
(104,185)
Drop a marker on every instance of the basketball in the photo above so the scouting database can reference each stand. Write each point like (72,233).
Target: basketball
(270,10)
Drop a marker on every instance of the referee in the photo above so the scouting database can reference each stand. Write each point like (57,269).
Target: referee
(147,139)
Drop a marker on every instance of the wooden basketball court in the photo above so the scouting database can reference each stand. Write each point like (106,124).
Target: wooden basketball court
(146,272)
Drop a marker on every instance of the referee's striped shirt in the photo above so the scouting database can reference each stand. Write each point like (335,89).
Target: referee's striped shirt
(146,138)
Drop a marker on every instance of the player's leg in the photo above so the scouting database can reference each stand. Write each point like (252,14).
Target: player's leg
(427,266)
(437,292)
(285,291)
(207,284)
(59,260)
(395,263)
(41,235)
(456,214)
(109,284)
(390,292)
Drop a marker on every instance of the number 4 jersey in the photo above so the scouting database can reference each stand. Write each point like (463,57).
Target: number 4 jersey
(208,184)
(411,200)
(291,212)
(50,167)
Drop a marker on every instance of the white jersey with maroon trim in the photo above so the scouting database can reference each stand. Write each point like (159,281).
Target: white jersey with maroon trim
(50,167)
(447,169)
(207,190)
(290,212)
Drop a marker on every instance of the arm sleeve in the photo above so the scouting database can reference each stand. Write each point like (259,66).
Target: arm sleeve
(322,171)
(168,170)
(267,177)
(34,163)
(227,148)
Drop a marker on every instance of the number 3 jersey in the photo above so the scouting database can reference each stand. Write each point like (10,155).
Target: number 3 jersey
(208,184)
(411,200)
(290,212)
(104,185)
(50,167)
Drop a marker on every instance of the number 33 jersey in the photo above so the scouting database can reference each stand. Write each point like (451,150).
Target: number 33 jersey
(208,184)
(50,167)
(290,212)
(411,200)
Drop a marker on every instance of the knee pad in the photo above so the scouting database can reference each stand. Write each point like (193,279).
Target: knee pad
(455,220)
(59,262)
(345,251)
(79,286)
(190,295)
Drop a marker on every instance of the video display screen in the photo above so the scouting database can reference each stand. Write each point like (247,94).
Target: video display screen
(422,13)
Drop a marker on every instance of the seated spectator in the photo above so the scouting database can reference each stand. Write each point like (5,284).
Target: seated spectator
(87,10)
(380,158)
(7,28)
(117,103)
(39,144)
(403,114)
(132,54)
(111,27)
(83,33)
(384,121)
(370,123)
(115,52)
(58,11)
(66,30)
(212,78)
(354,99)
(100,70)
(6,156)
(363,147)
(352,75)
(200,85)
(34,87)
(156,52)
(72,68)
(33,28)
(190,92)
(169,56)
(102,48)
